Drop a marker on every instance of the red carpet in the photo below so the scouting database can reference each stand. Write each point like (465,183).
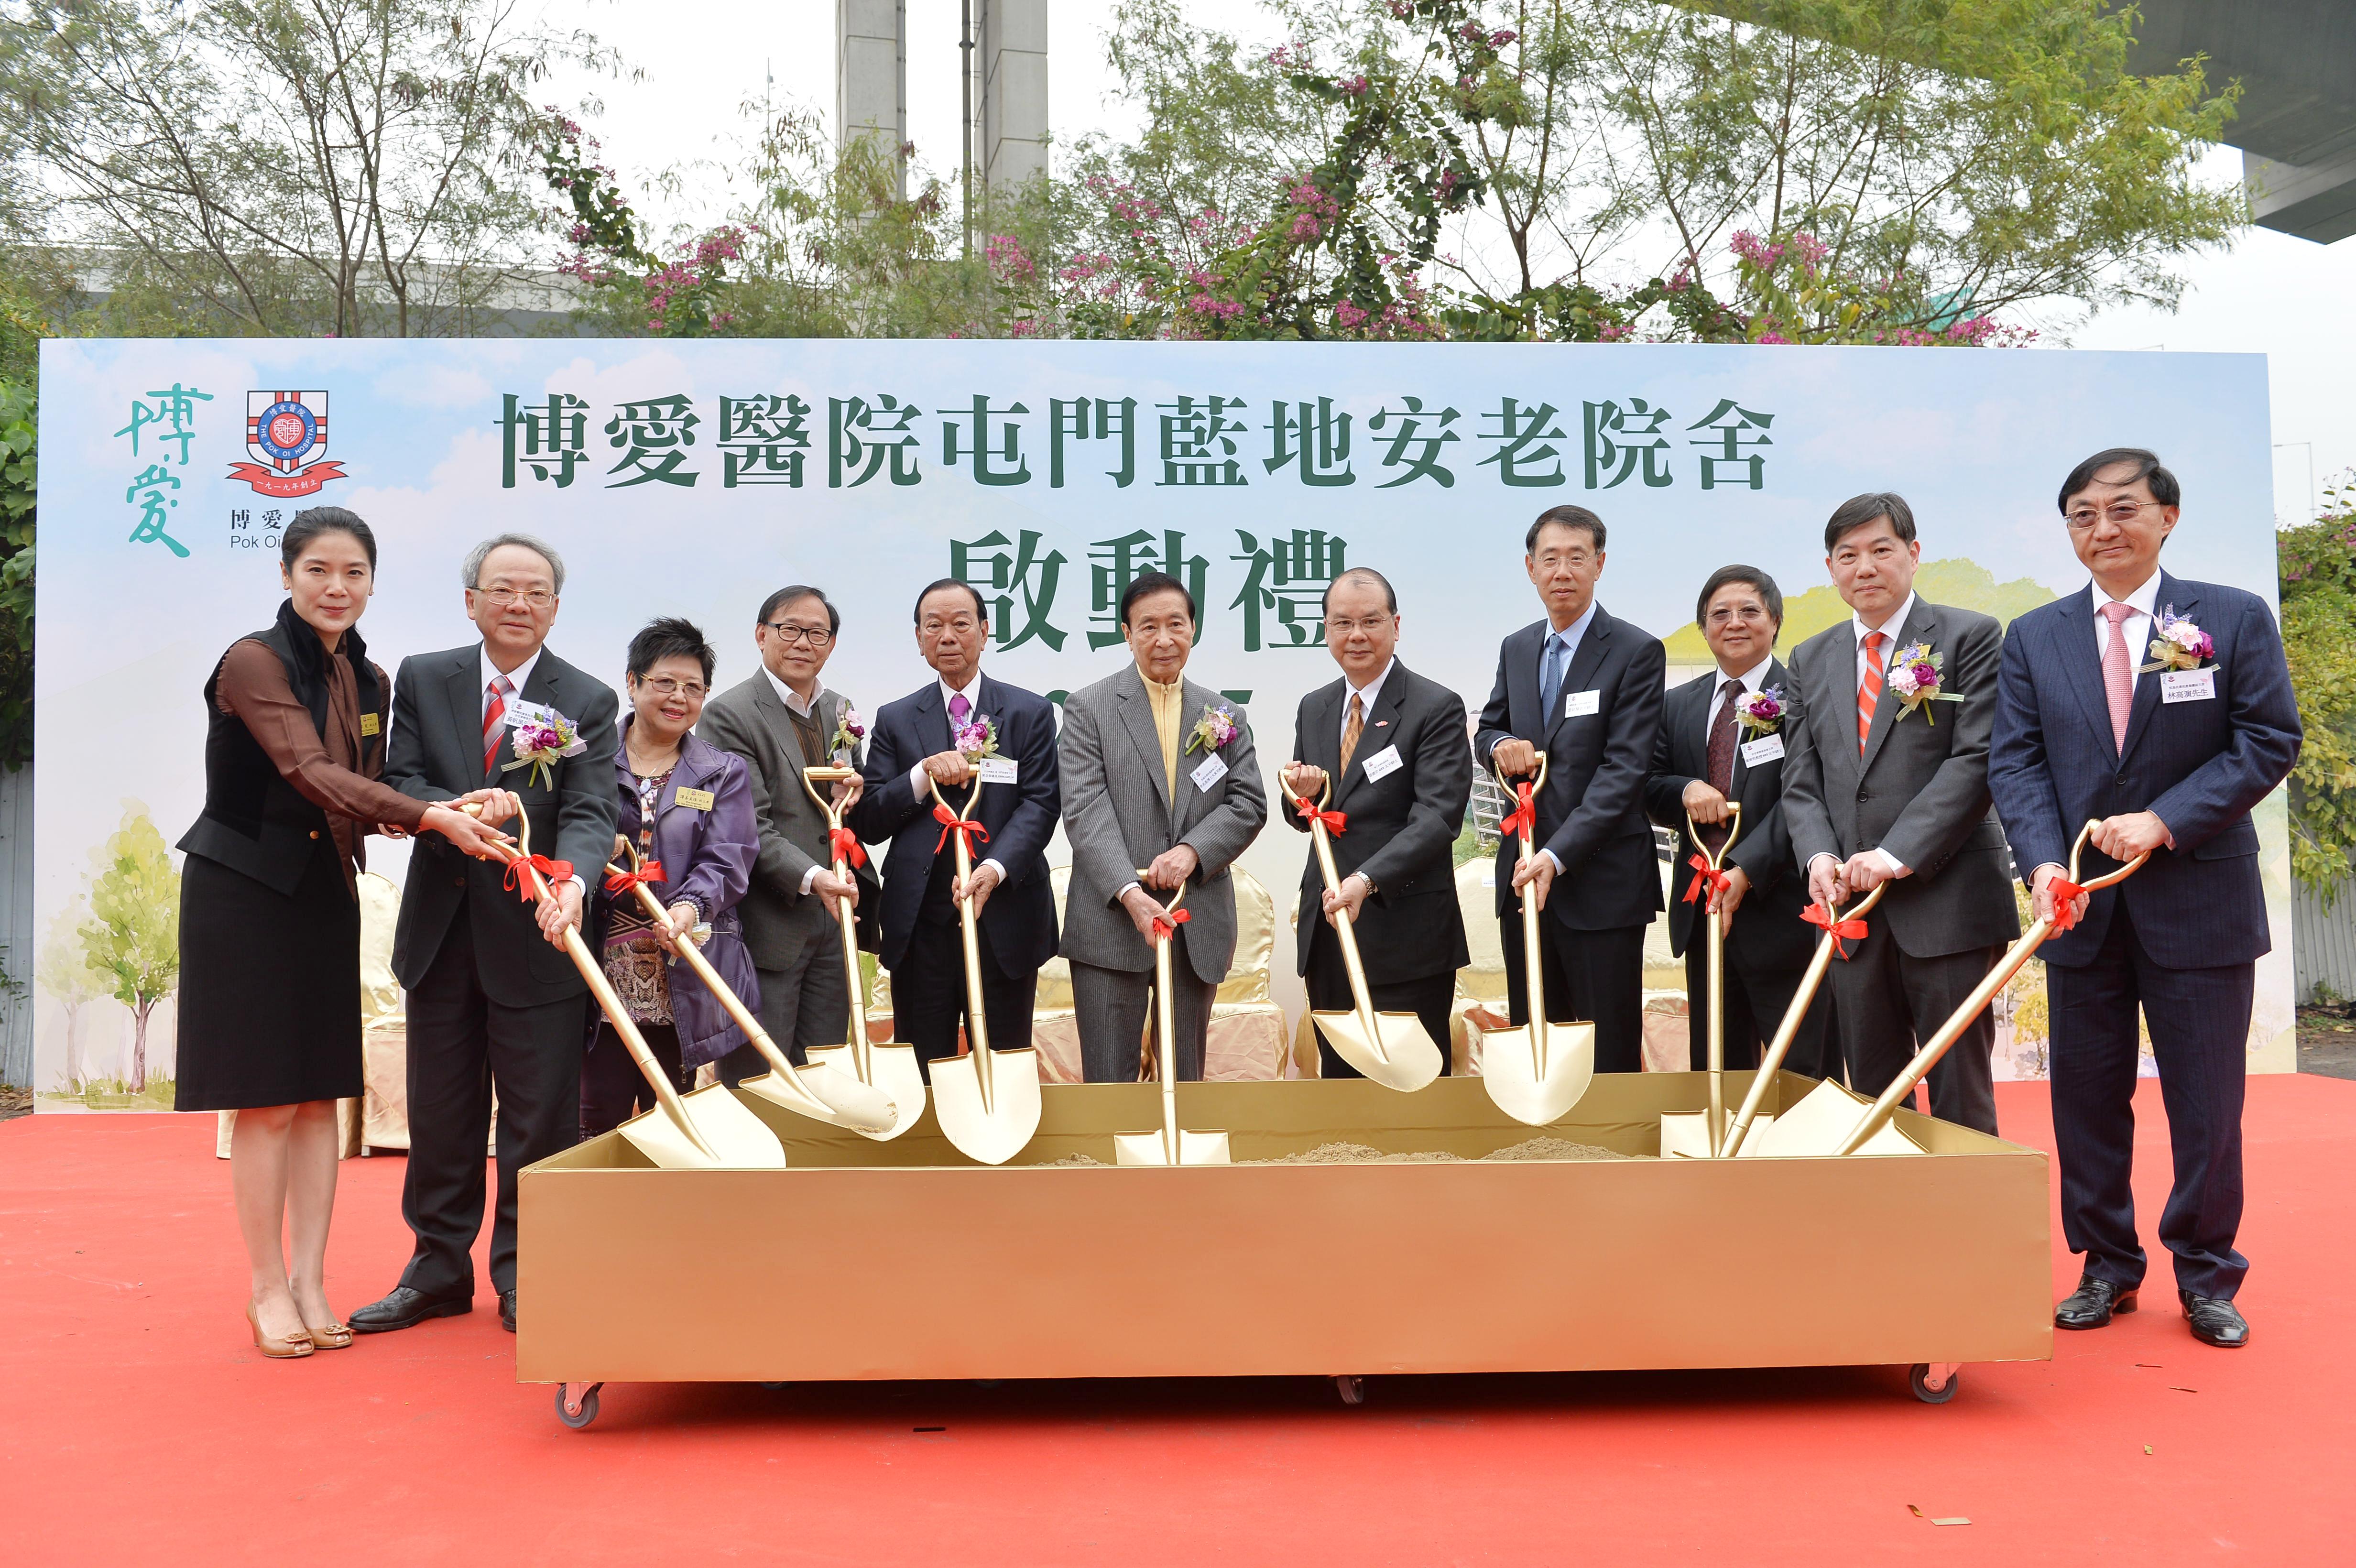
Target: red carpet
(138,1425)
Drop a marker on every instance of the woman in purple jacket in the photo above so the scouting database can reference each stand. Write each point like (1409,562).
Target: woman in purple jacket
(689,807)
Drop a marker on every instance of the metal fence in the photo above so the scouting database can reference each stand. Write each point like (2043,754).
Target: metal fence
(2323,943)
(16,928)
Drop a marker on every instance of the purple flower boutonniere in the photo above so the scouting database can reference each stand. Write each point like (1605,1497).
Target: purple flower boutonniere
(977,737)
(848,731)
(1215,729)
(1914,675)
(542,738)
(2177,644)
(1761,712)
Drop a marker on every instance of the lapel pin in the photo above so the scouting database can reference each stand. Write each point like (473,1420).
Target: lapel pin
(1382,723)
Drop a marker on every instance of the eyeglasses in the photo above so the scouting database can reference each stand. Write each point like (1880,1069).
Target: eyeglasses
(2120,512)
(664,687)
(1346,626)
(1726,616)
(789,633)
(538,598)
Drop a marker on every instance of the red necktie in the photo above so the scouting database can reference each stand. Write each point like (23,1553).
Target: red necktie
(1869,689)
(495,712)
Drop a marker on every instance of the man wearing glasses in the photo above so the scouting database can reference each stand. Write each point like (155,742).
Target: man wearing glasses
(956,729)
(781,722)
(2161,709)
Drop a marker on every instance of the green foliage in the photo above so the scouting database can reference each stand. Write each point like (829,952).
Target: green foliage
(133,937)
(19,417)
(2318,566)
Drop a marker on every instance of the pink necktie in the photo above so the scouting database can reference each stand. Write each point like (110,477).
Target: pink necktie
(2118,675)
(959,708)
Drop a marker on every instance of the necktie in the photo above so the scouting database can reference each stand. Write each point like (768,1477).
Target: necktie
(1351,729)
(495,712)
(1550,682)
(959,710)
(2118,675)
(1720,765)
(1869,687)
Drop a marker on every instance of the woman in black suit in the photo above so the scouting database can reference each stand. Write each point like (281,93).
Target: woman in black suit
(269,966)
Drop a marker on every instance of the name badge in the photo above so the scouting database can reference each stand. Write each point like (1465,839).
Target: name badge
(368,724)
(1581,704)
(694,799)
(1214,768)
(2189,685)
(1764,750)
(998,769)
(1383,763)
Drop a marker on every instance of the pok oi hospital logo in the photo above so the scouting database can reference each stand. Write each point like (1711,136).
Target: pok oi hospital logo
(282,431)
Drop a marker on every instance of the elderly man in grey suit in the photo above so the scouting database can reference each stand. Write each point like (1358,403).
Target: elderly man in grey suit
(1882,783)
(780,721)
(1158,775)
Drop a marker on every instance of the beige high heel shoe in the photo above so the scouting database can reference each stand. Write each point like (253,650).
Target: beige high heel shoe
(292,1348)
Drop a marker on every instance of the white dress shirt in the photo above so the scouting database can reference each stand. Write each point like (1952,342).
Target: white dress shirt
(1891,630)
(519,678)
(1752,678)
(917,777)
(1570,636)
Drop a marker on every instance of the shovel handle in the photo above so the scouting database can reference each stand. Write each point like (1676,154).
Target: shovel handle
(1165,1060)
(1362,999)
(1901,1088)
(607,1002)
(1789,1029)
(827,773)
(1716,1003)
(1533,948)
(976,1032)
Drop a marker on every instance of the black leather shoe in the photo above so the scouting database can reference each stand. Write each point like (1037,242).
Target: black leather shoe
(506,1310)
(2093,1304)
(2215,1322)
(406,1308)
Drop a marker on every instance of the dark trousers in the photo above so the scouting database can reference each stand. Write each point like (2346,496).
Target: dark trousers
(1595,976)
(1891,1001)
(928,995)
(613,1089)
(1757,998)
(1328,982)
(1116,1012)
(2200,1024)
(461,1043)
(808,1005)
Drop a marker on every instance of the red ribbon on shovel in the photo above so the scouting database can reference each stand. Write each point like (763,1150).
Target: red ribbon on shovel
(842,844)
(952,823)
(645,876)
(1164,930)
(1852,930)
(1523,819)
(2064,892)
(1334,821)
(554,870)
(1710,877)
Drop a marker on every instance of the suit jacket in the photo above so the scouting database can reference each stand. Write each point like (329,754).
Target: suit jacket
(1921,789)
(437,755)
(1591,811)
(707,858)
(1119,815)
(1020,818)
(1768,931)
(2201,765)
(750,720)
(1402,828)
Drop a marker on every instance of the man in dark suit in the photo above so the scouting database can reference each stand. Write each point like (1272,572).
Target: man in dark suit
(1586,688)
(1882,786)
(494,1001)
(1397,745)
(2161,708)
(1708,756)
(780,721)
(914,740)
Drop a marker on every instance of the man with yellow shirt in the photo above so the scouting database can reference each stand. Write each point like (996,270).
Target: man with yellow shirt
(1158,775)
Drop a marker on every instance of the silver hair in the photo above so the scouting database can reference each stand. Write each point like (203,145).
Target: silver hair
(473,568)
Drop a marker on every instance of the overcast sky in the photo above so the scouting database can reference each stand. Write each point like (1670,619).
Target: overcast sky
(2291,300)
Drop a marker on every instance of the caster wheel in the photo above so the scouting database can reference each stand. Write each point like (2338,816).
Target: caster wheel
(579,1410)
(774,1387)
(1352,1389)
(1934,1383)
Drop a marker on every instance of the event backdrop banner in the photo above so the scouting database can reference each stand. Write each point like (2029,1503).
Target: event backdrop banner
(693,478)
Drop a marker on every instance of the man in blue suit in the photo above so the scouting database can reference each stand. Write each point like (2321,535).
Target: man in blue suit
(911,746)
(2161,709)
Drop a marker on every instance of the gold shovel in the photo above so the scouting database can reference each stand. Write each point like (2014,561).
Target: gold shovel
(987,1100)
(1172,1145)
(1690,1133)
(1827,1120)
(890,1070)
(719,1134)
(821,1094)
(1392,1049)
(1538,1073)
(1781,1046)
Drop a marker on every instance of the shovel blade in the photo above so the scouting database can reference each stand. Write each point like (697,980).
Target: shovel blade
(1820,1124)
(741,1139)
(1520,1089)
(1403,1058)
(825,1095)
(1685,1135)
(1150,1148)
(995,1134)
(898,1077)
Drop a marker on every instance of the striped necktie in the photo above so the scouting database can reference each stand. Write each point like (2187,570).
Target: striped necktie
(495,712)
(1869,687)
